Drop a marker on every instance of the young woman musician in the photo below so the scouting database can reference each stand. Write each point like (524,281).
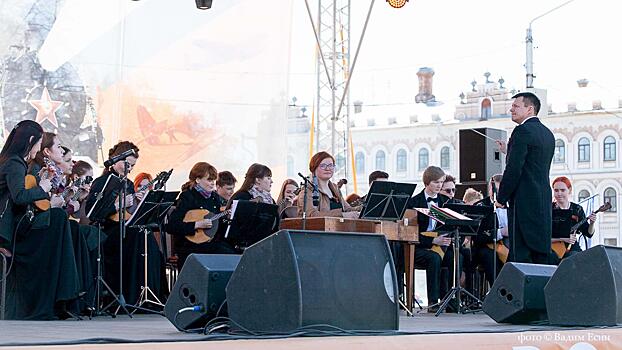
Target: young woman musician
(49,159)
(287,199)
(324,199)
(43,276)
(198,193)
(141,180)
(256,186)
(562,190)
(133,243)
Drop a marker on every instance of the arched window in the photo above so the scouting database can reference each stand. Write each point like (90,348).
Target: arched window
(609,148)
(290,166)
(380,160)
(584,149)
(560,151)
(610,196)
(359,162)
(401,162)
(486,109)
(583,194)
(445,157)
(424,159)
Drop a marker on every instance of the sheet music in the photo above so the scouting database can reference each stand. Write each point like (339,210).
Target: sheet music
(234,205)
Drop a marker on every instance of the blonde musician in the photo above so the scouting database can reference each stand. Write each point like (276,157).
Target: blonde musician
(198,195)
(323,196)
(562,191)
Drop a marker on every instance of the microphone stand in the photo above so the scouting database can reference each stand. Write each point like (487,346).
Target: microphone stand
(495,233)
(305,183)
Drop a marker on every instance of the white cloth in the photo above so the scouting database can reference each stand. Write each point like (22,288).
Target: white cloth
(502,217)
(432,223)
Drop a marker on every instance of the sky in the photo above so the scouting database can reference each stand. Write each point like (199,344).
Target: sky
(461,40)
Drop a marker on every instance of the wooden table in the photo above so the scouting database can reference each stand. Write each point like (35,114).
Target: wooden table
(405,231)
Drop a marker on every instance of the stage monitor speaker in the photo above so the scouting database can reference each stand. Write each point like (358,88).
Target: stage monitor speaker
(201,283)
(480,157)
(294,279)
(586,289)
(517,296)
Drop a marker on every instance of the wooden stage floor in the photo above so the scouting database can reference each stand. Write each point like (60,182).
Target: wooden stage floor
(421,331)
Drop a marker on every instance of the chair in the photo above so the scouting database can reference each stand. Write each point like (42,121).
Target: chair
(5,260)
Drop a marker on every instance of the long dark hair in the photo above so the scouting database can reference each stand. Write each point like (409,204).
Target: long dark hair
(118,149)
(255,171)
(47,142)
(18,143)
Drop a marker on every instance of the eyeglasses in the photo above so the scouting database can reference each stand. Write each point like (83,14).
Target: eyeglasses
(450,190)
(327,166)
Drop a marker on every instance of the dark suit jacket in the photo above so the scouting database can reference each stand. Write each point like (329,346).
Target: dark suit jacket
(525,185)
(419,201)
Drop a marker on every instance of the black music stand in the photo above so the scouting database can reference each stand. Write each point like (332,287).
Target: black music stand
(98,216)
(146,218)
(251,222)
(387,200)
(457,228)
(562,223)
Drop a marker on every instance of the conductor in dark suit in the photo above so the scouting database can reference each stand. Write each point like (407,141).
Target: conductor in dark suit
(525,184)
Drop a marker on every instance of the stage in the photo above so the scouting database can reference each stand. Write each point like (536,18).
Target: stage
(423,331)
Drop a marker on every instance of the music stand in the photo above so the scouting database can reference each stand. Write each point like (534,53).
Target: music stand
(98,216)
(457,227)
(387,200)
(146,218)
(251,222)
(562,223)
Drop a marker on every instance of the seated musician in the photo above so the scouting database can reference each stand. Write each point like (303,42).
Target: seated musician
(431,252)
(484,244)
(449,188)
(48,160)
(377,175)
(562,190)
(81,171)
(256,186)
(225,186)
(198,193)
(287,199)
(142,180)
(133,243)
(324,199)
(43,278)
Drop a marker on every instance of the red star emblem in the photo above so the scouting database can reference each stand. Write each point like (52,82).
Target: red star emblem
(46,108)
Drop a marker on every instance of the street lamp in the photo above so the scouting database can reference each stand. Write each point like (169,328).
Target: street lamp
(529,44)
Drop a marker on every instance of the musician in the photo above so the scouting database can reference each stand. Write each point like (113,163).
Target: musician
(133,242)
(471,196)
(287,199)
(484,243)
(141,180)
(449,188)
(197,193)
(562,190)
(425,257)
(43,277)
(323,196)
(377,175)
(52,151)
(82,170)
(225,185)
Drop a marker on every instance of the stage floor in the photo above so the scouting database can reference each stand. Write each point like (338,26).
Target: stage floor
(476,331)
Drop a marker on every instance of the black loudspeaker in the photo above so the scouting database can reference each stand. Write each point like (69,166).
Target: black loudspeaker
(201,284)
(586,289)
(517,296)
(294,279)
(480,157)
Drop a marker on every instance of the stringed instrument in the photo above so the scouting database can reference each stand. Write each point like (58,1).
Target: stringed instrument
(560,247)
(30,181)
(203,235)
(159,182)
(77,184)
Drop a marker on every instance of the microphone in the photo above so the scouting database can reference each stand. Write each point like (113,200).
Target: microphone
(122,156)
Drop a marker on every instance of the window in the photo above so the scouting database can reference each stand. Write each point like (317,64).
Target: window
(359,162)
(611,242)
(380,160)
(290,166)
(584,150)
(486,109)
(445,157)
(583,194)
(424,159)
(609,148)
(401,164)
(560,151)
(610,196)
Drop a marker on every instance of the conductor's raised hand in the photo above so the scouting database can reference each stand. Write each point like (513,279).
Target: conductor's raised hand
(503,146)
